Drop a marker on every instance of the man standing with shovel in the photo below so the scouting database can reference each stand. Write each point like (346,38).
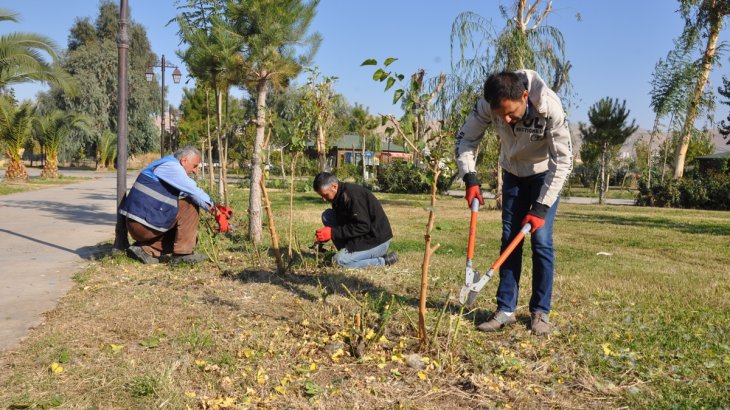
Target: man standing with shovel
(536,156)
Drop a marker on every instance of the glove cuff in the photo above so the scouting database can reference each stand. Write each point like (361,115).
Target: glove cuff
(471,179)
(539,210)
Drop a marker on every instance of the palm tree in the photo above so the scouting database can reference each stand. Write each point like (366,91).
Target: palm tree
(106,148)
(703,20)
(271,31)
(364,125)
(22,58)
(51,130)
(15,124)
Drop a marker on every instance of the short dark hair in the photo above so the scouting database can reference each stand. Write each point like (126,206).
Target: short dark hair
(503,85)
(323,180)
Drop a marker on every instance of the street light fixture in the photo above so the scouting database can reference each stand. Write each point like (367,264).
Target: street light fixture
(149,75)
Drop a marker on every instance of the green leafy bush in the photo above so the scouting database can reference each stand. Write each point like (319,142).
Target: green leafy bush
(693,191)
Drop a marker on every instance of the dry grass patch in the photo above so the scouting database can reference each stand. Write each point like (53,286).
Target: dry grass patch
(641,328)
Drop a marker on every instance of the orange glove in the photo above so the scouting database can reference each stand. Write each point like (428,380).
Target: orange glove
(473,189)
(222,216)
(323,234)
(536,216)
(225,210)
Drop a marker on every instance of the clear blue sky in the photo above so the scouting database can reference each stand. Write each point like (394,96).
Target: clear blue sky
(613,48)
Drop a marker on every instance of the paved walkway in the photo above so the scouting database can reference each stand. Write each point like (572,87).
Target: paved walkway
(45,238)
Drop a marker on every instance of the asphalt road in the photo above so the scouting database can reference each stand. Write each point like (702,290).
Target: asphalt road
(46,236)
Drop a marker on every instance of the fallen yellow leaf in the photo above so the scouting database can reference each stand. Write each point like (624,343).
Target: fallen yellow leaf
(199,363)
(56,368)
(279,389)
(190,394)
(116,348)
(422,376)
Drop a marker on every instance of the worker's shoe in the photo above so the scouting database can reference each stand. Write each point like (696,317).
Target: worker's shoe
(136,252)
(539,324)
(390,258)
(190,258)
(497,321)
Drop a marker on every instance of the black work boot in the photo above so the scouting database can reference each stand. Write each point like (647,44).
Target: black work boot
(136,252)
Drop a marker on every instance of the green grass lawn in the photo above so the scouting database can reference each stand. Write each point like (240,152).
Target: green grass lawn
(35,183)
(641,312)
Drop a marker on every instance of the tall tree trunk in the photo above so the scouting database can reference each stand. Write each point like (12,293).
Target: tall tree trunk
(666,147)
(648,154)
(601,182)
(254,201)
(224,167)
(219,119)
(291,202)
(210,143)
(281,157)
(694,102)
(364,167)
(321,147)
(202,151)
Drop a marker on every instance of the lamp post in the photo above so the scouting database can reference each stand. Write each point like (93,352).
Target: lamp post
(150,75)
(121,241)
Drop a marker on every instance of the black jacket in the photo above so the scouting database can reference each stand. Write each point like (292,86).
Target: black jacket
(361,221)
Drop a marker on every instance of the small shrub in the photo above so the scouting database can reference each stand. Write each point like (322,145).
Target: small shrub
(693,191)
(404,177)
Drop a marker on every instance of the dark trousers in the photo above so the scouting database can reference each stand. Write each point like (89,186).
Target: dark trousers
(518,194)
(179,240)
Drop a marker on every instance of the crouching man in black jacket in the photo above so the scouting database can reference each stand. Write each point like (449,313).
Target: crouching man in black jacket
(356,224)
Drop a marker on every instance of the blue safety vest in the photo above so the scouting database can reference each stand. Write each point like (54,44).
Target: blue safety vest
(151,201)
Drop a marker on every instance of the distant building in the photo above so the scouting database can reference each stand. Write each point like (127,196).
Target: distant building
(348,150)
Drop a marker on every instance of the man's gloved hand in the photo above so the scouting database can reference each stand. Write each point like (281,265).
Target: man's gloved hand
(323,234)
(222,215)
(473,189)
(536,216)
(228,211)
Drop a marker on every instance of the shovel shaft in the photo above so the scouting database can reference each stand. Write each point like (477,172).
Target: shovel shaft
(511,247)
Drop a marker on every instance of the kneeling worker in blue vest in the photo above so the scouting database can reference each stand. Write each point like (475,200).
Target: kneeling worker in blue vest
(162,209)
(356,224)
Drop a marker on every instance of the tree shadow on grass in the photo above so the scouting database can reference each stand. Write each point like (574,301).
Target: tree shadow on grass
(333,282)
(703,228)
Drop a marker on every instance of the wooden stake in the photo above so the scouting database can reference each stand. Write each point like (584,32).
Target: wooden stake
(272,228)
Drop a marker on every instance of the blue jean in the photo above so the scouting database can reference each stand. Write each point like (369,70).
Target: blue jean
(518,194)
(358,259)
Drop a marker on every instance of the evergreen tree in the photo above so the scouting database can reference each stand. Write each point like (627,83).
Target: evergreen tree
(607,130)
